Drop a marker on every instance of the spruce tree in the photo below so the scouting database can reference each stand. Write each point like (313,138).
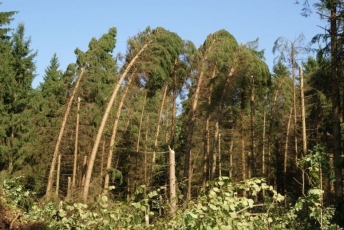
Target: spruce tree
(16,76)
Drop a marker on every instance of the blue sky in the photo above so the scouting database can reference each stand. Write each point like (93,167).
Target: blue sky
(61,26)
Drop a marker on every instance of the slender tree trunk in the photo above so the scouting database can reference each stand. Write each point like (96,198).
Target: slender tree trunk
(172,175)
(174,105)
(102,124)
(76,144)
(218,117)
(231,158)
(192,118)
(189,181)
(145,154)
(269,141)
(219,151)
(84,167)
(303,114)
(58,143)
(335,96)
(285,164)
(114,133)
(102,160)
(166,119)
(140,125)
(253,143)
(294,101)
(173,118)
(158,127)
(214,150)
(263,144)
(58,175)
(206,151)
(242,140)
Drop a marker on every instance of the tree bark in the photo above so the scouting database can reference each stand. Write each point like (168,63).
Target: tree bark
(114,133)
(58,175)
(76,144)
(293,63)
(285,164)
(140,125)
(172,176)
(303,114)
(102,124)
(58,143)
(192,118)
(158,127)
(335,96)
(206,149)
(253,143)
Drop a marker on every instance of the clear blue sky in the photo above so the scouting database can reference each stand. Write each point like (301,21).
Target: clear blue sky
(61,26)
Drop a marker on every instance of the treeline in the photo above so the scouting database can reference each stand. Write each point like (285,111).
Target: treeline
(109,121)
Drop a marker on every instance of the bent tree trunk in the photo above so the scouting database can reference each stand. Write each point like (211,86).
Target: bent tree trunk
(58,143)
(102,124)
(192,118)
(218,117)
(113,135)
(158,127)
(206,147)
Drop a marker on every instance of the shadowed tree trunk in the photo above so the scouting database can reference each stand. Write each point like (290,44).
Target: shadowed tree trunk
(102,124)
(58,143)
(192,119)
(76,144)
(114,133)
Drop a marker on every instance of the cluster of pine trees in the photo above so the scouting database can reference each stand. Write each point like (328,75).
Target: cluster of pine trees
(108,121)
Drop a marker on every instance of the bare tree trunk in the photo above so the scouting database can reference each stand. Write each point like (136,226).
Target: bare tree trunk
(128,178)
(114,133)
(69,188)
(230,174)
(84,167)
(189,181)
(213,150)
(192,118)
(172,175)
(242,139)
(102,160)
(174,114)
(303,114)
(166,120)
(269,141)
(158,127)
(294,101)
(219,151)
(243,156)
(140,125)
(285,164)
(76,143)
(57,147)
(206,151)
(263,144)
(58,175)
(102,124)
(145,153)
(253,143)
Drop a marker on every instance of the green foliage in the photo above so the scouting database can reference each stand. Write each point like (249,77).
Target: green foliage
(222,207)
(18,195)
(5,19)
(16,75)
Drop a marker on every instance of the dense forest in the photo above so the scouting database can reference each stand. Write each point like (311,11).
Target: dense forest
(173,136)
